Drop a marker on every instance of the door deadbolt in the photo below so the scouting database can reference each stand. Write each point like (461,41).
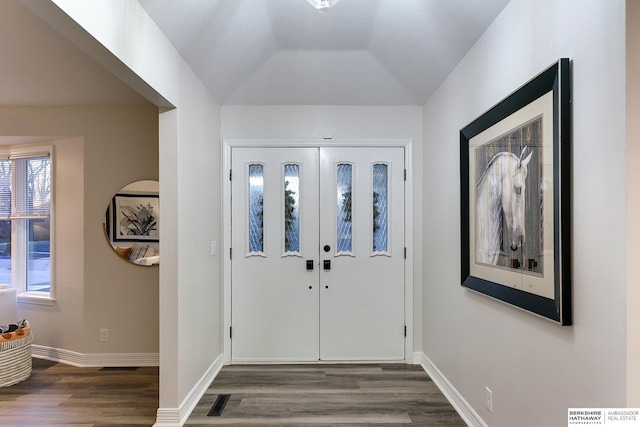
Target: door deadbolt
(327,248)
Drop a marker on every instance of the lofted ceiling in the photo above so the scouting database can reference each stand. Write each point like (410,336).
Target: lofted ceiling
(261,52)
(361,52)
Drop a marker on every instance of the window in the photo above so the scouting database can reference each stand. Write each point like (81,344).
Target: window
(344,202)
(291,209)
(256,205)
(380,211)
(25,221)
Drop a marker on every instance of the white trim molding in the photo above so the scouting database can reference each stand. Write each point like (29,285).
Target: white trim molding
(88,360)
(38,298)
(168,417)
(176,417)
(466,412)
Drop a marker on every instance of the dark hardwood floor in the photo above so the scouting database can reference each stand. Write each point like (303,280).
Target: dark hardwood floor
(59,395)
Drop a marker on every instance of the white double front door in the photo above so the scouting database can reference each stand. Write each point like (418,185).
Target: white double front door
(317,254)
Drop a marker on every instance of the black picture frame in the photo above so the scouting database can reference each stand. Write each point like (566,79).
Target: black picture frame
(135,217)
(515,197)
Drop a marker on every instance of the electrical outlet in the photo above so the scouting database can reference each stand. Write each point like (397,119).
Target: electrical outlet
(488,399)
(104,335)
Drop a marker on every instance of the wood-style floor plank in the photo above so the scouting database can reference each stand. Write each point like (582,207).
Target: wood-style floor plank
(58,395)
(326,395)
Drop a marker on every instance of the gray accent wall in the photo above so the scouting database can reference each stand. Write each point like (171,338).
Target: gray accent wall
(535,368)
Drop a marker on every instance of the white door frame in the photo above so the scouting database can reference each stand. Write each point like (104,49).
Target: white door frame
(229,144)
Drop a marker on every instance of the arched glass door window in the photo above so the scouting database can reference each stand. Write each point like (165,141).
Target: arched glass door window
(256,204)
(344,211)
(380,207)
(291,209)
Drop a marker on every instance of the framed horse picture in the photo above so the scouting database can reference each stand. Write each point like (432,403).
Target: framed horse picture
(514,179)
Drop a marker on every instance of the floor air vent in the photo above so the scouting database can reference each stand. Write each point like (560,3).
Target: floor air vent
(119,368)
(218,405)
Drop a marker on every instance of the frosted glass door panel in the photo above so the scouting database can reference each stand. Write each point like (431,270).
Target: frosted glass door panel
(256,201)
(380,211)
(344,173)
(291,209)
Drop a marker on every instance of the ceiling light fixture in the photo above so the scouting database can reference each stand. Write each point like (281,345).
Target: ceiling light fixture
(322,6)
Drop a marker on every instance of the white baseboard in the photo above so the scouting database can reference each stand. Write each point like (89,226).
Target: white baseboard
(176,417)
(87,360)
(468,414)
(168,417)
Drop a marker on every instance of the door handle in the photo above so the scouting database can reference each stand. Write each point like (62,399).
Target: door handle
(327,264)
(309,265)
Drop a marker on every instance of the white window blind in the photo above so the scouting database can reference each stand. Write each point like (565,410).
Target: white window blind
(5,188)
(32,183)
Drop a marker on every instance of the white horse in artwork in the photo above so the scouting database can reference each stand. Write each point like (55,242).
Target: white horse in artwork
(500,195)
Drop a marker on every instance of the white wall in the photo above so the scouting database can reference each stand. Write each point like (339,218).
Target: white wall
(132,47)
(316,121)
(535,368)
(341,122)
(95,289)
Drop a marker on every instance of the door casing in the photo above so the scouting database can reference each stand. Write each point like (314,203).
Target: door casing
(229,144)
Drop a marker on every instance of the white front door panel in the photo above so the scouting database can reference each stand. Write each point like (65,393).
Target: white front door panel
(274,297)
(362,295)
(292,206)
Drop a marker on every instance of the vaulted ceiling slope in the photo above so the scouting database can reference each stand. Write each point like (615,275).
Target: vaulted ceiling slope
(361,52)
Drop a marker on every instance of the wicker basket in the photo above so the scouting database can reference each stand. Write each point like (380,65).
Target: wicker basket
(15,361)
